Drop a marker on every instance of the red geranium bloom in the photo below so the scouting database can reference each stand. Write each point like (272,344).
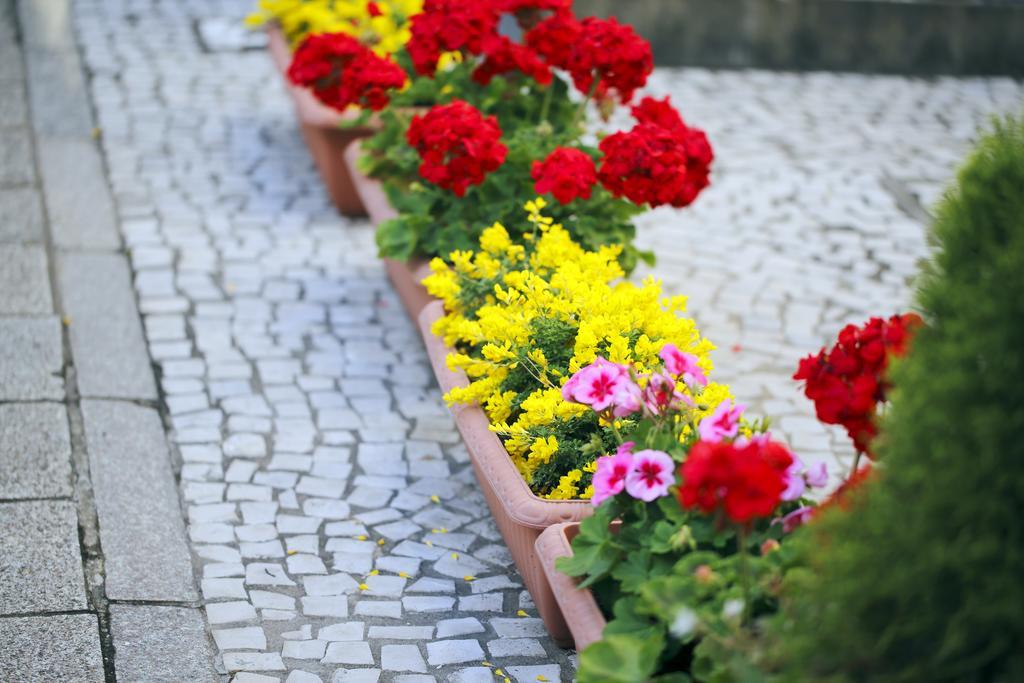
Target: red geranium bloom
(520,5)
(449,25)
(373,9)
(341,71)
(661,113)
(657,166)
(744,482)
(503,56)
(847,382)
(554,38)
(613,55)
(567,173)
(458,145)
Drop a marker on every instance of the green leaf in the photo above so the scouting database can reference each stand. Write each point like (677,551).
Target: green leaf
(396,238)
(620,659)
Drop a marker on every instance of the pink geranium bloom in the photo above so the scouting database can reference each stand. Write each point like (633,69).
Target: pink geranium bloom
(795,484)
(661,395)
(651,475)
(596,384)
(817,475)
(723,423)
(628,399)
(796,518)
(610,476)
(683,365)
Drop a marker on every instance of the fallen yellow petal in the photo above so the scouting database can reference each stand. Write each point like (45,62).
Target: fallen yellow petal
(435,498)
(380,542)
(455,556)
(429,543)
(363,587)
(403,575)
(522,613)
(468,577)
(542,677)
(361,537)
(375,572)
(292,552)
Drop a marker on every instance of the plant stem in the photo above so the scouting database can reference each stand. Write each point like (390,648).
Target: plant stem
(546,107)
(583,105)
(744,574)
(856,464)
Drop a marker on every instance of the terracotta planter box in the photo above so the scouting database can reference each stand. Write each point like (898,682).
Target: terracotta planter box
(321,128)
(520,515)
(407,278)
(578,608)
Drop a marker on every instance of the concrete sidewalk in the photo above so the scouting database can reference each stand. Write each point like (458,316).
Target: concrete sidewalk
(96,582)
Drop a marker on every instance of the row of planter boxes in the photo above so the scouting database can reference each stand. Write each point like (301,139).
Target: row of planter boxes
(536,531)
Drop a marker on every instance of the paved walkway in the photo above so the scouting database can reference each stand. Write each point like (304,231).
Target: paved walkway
(332,517)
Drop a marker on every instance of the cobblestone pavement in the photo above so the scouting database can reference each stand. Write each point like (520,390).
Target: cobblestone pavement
(332,513)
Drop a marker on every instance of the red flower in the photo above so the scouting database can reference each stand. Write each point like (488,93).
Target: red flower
(521,5)
(554,38)
(745,482)
(341,71)
(611,54)
(458,145)
(847,382)
(503,56)
(661,113)
(449,25)
(567,173)
(373,9)
(657,166)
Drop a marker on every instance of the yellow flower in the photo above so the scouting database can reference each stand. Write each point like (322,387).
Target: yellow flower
(386,31)
(549,310)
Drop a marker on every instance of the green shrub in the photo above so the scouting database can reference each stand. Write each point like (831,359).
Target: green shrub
(923,578)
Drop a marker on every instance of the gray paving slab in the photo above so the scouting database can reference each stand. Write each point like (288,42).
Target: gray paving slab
(141,527)
(35,451)
(160,644)
(40,561)
(10,60)
(105,329)
(77,198)
(16,166)
(21,214)
(46,25)
(48,649)
(13,109)
(31,359)
(24,280)
(51,71)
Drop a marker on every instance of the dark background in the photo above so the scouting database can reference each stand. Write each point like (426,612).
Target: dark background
(876,36)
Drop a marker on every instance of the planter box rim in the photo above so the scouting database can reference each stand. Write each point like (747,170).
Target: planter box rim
(578,606)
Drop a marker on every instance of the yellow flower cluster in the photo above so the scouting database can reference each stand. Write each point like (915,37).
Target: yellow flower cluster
(381,24)
(523,321)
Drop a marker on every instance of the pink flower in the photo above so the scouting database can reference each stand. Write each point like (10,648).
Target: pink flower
(683,365)
(651,475)
(610,476)
(795,484)
(661,395)
(817,475)
(597,384)
(796,518)
(628,399)
(724,423)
